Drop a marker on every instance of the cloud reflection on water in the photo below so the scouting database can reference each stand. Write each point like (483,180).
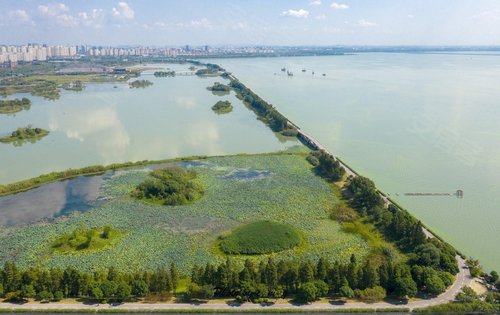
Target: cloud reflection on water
(101,127)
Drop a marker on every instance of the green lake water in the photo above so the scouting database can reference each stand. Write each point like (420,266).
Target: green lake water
(425,123)
(104,124)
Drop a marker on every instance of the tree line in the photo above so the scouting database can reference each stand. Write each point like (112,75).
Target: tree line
(276,121)
(56,284)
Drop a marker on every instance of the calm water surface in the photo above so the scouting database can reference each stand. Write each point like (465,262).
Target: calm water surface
(411,122)
(104,125)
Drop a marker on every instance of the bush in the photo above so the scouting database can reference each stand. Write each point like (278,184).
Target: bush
(342,213)
(313,160)
(194,291)
(45,296)
(467,295)
(58,296)
(170,186)
(371,295)
(307,292)
(346,291)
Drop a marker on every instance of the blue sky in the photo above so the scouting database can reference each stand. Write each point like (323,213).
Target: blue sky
(252,22)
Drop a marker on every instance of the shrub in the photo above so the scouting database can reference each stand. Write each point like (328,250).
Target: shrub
(371,295)
(346,292)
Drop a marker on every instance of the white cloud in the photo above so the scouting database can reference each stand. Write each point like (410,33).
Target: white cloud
(301,13)
(487,16)
(203,23)
(339,6)
(320,17)
(52,9)
(67,20)
(365,23)
(123,11)
(19,16)
(94,18)
(315,2)
(410,16)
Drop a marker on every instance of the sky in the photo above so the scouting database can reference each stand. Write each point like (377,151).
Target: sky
(250,22)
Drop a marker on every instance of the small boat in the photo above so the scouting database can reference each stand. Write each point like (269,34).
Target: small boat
(324,74)
(303,70)
(290,74)
(283,69)
(114,87)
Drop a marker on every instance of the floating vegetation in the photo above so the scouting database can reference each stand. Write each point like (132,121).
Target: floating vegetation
(188,234)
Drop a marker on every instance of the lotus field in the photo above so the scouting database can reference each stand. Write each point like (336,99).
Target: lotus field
(239,190)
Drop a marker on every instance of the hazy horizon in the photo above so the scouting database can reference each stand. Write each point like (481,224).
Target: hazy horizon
(252,23)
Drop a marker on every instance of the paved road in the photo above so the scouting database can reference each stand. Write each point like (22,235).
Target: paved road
(462,279)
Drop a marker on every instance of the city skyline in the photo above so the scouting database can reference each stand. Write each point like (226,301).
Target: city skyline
(305,22)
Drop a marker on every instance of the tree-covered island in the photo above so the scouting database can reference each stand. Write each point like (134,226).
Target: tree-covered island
(14,106)
(170,186)
(140,84)
(25,133)
(222,107)
(219,87)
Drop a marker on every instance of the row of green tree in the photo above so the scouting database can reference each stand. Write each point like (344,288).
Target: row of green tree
(162,74)
(263,109)
(304,280)
(326,165)
(56,284)
(399,226)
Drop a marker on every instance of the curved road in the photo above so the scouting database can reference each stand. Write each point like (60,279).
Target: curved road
(463,278)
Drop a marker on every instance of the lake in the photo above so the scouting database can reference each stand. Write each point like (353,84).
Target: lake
(108,123)
(413,123)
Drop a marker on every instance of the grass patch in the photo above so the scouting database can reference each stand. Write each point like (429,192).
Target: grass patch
(86,240)
(262,237)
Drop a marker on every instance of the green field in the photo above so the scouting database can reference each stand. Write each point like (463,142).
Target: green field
(238,190)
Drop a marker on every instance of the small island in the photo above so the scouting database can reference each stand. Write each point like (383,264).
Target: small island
(14,106)
(170,186)
(140,84)
(219,89)
(211,70)
(76,86)
(162,74)
(86,240)
(25,133)
(222,107)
